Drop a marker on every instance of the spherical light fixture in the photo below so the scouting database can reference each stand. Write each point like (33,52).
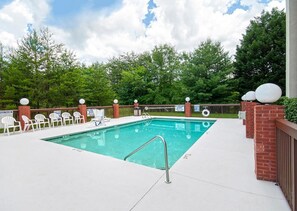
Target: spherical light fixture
(24,101)
(115,101)
(250,96)
(82,101)
(187,99)
(135,101)
(243,98)
(268,93)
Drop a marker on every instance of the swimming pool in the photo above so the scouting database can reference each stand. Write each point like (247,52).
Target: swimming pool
(119,141)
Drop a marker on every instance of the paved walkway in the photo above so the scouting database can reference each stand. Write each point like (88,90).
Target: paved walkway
(217,173)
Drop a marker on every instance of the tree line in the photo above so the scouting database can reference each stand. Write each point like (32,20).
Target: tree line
(49,75)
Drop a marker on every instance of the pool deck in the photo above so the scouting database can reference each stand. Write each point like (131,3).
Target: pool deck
(216,173)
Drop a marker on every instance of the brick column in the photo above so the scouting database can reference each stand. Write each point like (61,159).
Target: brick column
(83,110)
(249,119)
(188,109)
(116,110)
(265,140)
(24,110)
(242,108)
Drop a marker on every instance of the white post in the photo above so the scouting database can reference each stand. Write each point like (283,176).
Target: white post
(291,48)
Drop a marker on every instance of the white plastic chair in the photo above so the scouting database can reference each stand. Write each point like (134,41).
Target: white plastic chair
(55,118)
(10,122)
(98,117)
(29,123)
(42,120)
(78,118)
(67,118)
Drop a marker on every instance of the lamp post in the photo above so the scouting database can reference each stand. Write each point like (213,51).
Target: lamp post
(82,108)
(265,131)
(24,109)
(249,113)
(187,107)
(137,111)
(243,107)
(116,109)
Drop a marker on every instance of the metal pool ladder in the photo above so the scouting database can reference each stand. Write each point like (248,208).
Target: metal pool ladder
(165,154)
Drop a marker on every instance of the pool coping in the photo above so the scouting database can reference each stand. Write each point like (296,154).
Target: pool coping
(216,173)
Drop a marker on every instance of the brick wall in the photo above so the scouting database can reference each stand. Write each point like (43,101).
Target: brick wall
(242,108)
(188,109)
(265,140)
(249,119)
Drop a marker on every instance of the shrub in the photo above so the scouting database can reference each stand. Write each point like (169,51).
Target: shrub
(291,109)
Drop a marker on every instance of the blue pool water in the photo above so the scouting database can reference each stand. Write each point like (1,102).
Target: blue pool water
(119,141)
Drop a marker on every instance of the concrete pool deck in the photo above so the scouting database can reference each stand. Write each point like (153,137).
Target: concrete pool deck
(216,173)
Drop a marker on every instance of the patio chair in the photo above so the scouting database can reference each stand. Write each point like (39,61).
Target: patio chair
(98,117)
(78,117)
(42,120)
(55,118)
(67,118)
(10,122)
(29,123)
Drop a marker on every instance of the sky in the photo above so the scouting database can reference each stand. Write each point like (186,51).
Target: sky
(98,30)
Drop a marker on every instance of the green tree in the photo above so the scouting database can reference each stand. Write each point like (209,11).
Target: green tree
(166,71)
(98,89)
(261,55)
(37,67)
(116,66)
(207,74)
(150,77)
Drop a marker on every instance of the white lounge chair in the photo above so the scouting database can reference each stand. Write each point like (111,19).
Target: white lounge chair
(98,117)
(78,117)
(42,120)
(55,118)
(67,118)
(10,122)
(29,123)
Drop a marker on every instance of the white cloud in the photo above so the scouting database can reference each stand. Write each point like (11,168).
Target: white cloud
(15,16)
(100,35)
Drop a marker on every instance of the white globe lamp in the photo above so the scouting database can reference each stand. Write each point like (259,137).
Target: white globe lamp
(243,98)
(250,96)
(268,93)
(135,101)
(115,101)
(24,101)
(187,99)
(82,101)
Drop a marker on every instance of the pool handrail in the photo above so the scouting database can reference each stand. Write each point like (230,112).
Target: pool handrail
(165,154)
(146,115)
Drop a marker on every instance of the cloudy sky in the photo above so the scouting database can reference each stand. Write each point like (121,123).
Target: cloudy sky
(97,30)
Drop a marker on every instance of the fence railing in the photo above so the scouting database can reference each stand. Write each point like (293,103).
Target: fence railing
(128,110)
(286,137)
(213,108)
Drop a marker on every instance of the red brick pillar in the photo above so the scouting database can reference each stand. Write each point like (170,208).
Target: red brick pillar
(83,110)
(136,105)
(188,109)
(265,140)
(242,108)
(249,119)
(116,110)
(24,110)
